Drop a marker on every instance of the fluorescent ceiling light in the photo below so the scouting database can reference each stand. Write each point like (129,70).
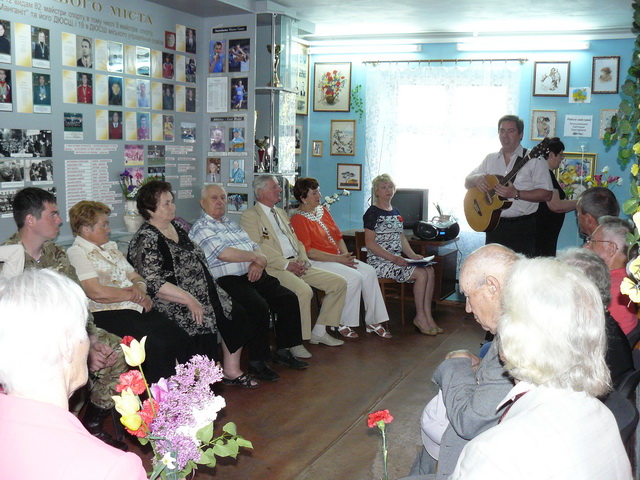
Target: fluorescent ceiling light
(531,44)
(365,49)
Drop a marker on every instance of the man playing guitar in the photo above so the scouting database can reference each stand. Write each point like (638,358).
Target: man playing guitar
(516,227)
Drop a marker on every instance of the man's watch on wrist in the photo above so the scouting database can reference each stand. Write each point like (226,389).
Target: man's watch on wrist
(517,197)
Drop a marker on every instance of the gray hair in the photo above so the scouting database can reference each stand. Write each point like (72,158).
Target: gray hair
(552,329)
(44,317)
(206,188)
(593,267)
(492,259)
(598,202)
(260,182)
(615,229)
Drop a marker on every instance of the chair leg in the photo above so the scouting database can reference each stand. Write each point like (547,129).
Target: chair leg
(402,303)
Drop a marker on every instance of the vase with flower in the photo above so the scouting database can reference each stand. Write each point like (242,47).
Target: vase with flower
(331,83)
(130,183)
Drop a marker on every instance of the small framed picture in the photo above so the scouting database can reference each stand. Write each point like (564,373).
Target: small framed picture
(343,137)
(317,147)
(605,120)
(605,75)
(551,79)
(543,124)
(299,130)
(349,176)
(332,87)
(573,171)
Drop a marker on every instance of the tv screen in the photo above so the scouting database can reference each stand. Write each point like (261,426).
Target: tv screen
(413,204)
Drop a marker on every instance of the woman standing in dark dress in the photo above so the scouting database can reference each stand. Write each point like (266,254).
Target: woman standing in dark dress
(550,215)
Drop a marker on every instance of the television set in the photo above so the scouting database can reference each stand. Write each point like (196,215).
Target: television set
(413,204)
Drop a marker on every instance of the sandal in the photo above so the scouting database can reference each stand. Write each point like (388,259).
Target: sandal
(379,330)
(245,381)
(347,332)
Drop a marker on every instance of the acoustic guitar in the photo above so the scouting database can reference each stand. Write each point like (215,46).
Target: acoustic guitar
(482,210)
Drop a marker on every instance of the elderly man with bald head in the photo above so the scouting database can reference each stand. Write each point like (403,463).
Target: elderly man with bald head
(238,265)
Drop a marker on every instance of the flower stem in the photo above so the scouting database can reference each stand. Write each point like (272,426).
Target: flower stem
(384,453)
(146,384)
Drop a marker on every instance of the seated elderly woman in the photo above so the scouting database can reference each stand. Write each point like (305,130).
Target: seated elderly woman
(322,239)
(553,342)
(178,280)
(118,294)
(618,357)
(385,240)
(43,360)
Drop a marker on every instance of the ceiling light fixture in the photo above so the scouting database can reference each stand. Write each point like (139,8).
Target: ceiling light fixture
(526,45)
(337,49)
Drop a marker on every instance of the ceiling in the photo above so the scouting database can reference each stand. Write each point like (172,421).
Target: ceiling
(432,20)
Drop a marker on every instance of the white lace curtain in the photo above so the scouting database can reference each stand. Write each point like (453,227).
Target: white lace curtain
(428,126)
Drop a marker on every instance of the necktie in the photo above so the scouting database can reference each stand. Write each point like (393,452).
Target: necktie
(286,234)
(515,399)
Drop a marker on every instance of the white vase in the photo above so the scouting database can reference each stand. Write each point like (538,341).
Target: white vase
(132,218)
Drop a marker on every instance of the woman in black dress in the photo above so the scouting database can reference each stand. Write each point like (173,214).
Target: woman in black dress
(550,215)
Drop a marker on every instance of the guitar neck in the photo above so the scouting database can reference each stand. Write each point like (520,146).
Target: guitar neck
(516,168)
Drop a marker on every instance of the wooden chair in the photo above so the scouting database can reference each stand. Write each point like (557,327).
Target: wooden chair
(390,288)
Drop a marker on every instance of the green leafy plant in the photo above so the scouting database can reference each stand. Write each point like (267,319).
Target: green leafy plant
(357,102)
(624,125)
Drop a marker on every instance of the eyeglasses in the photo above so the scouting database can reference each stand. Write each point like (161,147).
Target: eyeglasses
(590,240)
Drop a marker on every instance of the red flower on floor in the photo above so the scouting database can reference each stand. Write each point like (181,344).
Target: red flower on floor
(133,380)
(127,339)
(380,415)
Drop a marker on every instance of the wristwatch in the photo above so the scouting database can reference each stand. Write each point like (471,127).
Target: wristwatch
(517,197)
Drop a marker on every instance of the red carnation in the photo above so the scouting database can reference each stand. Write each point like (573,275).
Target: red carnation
(133,380)
(380,415)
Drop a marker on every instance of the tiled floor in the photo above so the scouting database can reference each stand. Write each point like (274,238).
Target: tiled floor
(311,425)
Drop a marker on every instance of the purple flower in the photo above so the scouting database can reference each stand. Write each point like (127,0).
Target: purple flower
(160,390)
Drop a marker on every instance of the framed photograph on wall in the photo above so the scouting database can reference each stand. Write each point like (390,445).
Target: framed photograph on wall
(573,170)
(343,137)
(298,138)
(605,75)
(317,147)
(551,79)
(543,124)
(301,71)
(605,120)
(332,87)
(349,176)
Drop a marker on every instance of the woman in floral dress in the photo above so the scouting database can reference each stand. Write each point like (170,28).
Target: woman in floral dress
(386,243)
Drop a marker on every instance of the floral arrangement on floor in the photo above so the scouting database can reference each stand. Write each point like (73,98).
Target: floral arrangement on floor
(330,200)
(331,83)
(177,416)
(380,419)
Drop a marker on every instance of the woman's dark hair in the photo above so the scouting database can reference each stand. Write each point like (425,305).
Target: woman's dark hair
(149,196)
(302,187)
(555,145)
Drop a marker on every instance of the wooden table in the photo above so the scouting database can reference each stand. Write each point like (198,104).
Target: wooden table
(445,255)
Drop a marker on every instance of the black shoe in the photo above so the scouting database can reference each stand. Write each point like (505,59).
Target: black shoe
(288,360)
(263,372)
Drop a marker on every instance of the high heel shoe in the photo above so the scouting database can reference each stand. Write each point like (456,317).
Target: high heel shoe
(379,330)
(432,332)
(439,330)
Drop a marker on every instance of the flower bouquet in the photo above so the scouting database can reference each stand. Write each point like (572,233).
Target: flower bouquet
(130,182)
(603,180)
(331,83)
(329,200)
(177,416)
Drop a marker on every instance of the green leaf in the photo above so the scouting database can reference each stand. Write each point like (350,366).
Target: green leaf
(230,428)
(205,434)
(243,443)
(143,440)
(623,141)
(629,87)
(625,107)
(630,206)
(625,127)
(207,457)
(229,450)
(626,154)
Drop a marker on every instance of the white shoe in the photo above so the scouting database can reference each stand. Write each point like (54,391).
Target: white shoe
(325,339)
(300,352)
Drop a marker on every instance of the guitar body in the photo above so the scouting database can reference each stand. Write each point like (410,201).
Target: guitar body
(482,210)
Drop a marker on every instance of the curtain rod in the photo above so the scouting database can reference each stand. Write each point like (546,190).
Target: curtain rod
(449,60)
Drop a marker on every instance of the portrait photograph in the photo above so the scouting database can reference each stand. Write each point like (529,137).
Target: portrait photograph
(190,70)
(551,79)
(167,66)
(84,52)
(168,128)
(217,139)
(190,40)
(5,41)
(236,140)
(143,89)
(6,91)
(115,125)
(605,75)
(85,87)
(170,40)
(115,91)
(543,124)
(40,47)
(217,56)
(236,170)
(41,93)
(190,100)
(317,147)
(239,93)
(143,126)
(239,51)
(332,87)
(343,137)
(213,172)
(167,96)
